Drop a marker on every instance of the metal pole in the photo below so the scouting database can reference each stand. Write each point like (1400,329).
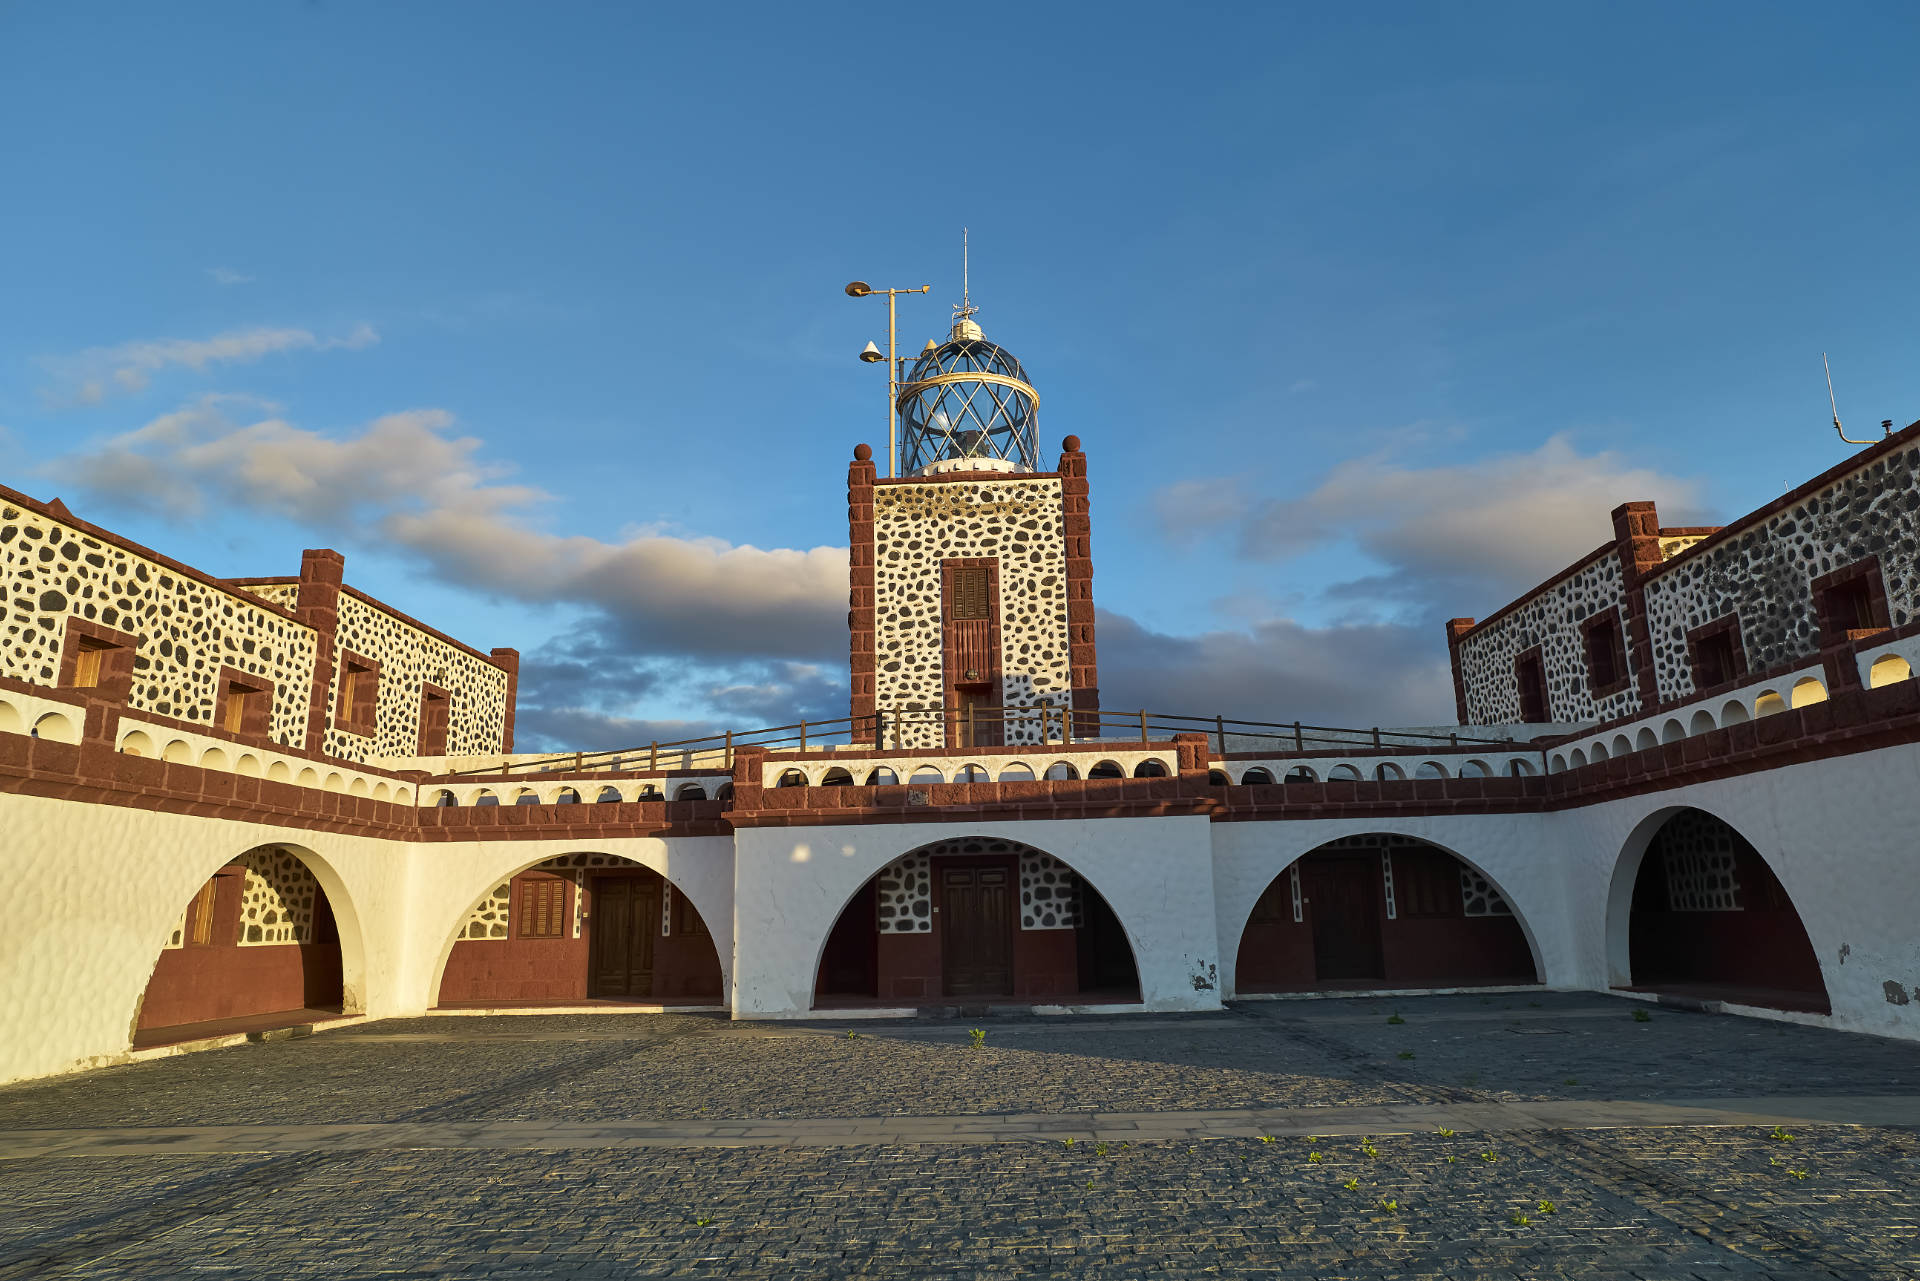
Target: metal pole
(973,734)
(1299,742)
(1220,724)
(729,749)
(893,389)
(653,756)
(1143,724)
(803,736)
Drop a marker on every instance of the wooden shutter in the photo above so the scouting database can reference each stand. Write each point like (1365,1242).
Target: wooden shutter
(968,589)
(541,904)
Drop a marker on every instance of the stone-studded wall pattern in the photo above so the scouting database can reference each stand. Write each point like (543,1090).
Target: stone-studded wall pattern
(285,595)
(277,903)
(1551,620)
(1765,573)
(489,921)
(1049,889)
(1701,864)
(408,657)
(1019,522)
(188,629)
(1479,898)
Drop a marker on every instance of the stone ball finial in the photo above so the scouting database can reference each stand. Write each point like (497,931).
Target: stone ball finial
(1071,445)
(861,453)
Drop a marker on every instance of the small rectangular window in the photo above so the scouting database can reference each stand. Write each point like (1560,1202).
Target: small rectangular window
(1426,883)
(1714,661)
(542,903)
(1606,654)
(435,707)
(1849,607)
(1532,683)
(967,592)
(200,915)
(359,699)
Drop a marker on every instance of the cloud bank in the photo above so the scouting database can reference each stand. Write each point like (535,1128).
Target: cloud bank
(90,376)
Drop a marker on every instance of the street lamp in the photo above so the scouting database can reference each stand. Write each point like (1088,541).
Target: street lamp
(873,356)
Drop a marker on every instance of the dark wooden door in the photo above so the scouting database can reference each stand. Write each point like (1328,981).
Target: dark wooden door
(626,916)
(976,930)
(1343,902)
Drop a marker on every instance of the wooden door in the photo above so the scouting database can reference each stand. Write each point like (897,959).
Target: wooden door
(979,718)
(1344,904)
(626,916)
(976,930)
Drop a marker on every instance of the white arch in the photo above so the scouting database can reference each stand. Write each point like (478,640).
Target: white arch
(1807,691)
(10,722)
(1559,764)
(846,901)
(1645,739)
(308,777)
(279,773)
(334,783)
(1888,669)
(346,919)
(1702,723)
(1476,769)
(178,752)
(1017,772)
(1344,773)
(359,786)
(1734,712)
(137,743)
(248,765)
(56,727)
(213,758)
(1599,752)
(1430,769)
(653,853)
(1622,745)
(381,791)
(1388,772)
(1768,703)
(1673,731)
(1240,906)
(1578,759)
(1307,770)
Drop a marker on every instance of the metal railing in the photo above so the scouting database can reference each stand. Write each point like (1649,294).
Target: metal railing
(970,727)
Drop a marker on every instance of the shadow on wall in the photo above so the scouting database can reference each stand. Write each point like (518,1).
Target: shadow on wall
(1709,918)
(258,938)
(976,919)
(1381,911)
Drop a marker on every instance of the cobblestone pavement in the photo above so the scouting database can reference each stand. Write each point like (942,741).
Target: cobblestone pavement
(1674,1201)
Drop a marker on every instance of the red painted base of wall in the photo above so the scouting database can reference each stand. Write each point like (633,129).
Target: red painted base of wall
(1423,952)
(503,971)
(199,984)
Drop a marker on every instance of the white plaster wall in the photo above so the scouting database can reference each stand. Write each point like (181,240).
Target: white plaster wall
(446,881)
(1155,873)
(93,894)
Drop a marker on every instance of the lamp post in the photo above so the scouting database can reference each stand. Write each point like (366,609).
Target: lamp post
(861,289)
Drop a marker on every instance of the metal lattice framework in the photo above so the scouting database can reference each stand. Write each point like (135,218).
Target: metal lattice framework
(969,398)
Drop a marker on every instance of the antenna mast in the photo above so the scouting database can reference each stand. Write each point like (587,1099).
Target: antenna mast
(966,310)
(1836,406)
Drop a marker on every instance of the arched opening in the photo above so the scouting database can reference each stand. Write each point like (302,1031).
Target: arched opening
(1061,771)
(1149,769)
(690,792)
(582,927)
(256,946)
(926,774)
(1018,772)
(1430,769)
(609,795)
(135,744)
(836,777)
(881,776)
(1673,731)
(1702,723)
(1622,745)
(1768,703)
(1579,758)
(1302,774)
(56,727)
(444,799)
(972,774)
(1807,691)
(485,796)
(1259,774)
(1475,769)
(1888,669)
(1381,911)
(526,796)
(1645,739)
(1708,918)
(976,919)
(791,778)
(567,796)
(1107,769)
(650,792)
(1734,713)
(1388,772)
(1599,752)
(1344,774)
(1218,778)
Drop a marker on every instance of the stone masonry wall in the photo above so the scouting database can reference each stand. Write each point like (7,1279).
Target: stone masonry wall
(188,628)
(1765,573)
(1551,620)
(408,657)
(917,527)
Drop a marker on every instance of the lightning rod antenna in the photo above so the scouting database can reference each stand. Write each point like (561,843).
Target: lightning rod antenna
(966,294)
(1835,405)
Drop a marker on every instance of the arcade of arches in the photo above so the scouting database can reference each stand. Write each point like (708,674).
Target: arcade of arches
(583,927)
(1710,919)
(976,920)
(1380,911)
(258,938)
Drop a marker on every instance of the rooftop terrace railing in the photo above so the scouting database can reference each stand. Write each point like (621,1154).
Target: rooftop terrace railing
(975,728)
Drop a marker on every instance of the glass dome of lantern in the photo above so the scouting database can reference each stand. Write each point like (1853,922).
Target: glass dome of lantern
(967,405)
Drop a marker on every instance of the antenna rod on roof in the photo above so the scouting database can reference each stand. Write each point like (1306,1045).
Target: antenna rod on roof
(1835,404)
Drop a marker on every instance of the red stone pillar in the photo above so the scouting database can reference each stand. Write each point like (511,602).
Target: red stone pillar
(509,661)
(1636,533)
(860,603)
(1082,658)
(322,571)
(1456,628)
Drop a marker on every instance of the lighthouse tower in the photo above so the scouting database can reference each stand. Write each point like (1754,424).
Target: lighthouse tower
(971,574)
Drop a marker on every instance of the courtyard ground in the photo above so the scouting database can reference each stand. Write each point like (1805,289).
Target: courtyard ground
(1544,1135)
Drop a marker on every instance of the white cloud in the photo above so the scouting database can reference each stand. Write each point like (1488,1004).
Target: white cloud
(228,276)
(1455,536)
(91,376)
(407,484)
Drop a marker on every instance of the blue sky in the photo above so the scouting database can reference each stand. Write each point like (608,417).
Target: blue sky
(1366,316)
